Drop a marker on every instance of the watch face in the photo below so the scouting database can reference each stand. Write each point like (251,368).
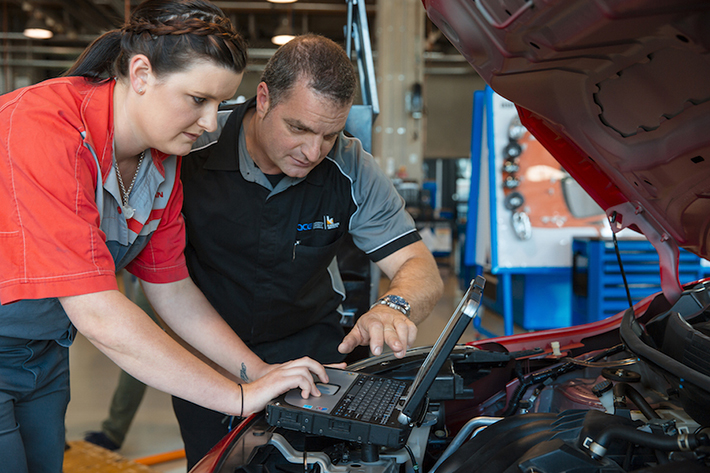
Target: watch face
(396,303)
(400,302)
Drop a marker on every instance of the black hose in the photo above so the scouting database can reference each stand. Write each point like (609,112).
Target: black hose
(415,464)
(541,376)
(516,397)
(646,439)
(626,390)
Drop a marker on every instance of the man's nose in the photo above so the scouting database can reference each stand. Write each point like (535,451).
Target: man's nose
(312,148)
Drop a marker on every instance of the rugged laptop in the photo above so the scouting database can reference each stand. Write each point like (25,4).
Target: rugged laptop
(373,409)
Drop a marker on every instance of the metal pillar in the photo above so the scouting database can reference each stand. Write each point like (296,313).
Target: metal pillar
(398,141)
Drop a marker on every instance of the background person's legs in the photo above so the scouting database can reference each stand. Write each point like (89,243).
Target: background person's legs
(124,404)
(129,392)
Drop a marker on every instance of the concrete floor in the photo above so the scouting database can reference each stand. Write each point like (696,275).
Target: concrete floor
(154,428)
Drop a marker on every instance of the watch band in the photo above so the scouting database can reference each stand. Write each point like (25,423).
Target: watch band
(394,302)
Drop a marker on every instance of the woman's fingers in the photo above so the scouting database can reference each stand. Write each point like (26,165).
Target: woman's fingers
(296,374)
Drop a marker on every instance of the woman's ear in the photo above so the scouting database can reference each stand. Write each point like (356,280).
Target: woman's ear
(140,72)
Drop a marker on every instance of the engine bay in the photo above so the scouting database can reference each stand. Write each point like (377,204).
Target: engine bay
(593,407)
(585,409)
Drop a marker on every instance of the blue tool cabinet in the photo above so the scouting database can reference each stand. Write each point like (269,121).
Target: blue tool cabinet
(597,285)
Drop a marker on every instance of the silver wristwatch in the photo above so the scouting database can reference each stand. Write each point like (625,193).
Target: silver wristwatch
(394,302)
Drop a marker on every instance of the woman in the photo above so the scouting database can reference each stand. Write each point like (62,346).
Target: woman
(89,167)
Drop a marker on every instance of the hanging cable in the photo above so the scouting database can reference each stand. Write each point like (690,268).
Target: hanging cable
(618,258)
(415,464)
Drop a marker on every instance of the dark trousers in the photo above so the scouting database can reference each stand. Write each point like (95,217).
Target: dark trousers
(200,428)
(34,394)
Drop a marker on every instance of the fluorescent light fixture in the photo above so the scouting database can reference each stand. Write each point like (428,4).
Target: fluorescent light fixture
(37,29)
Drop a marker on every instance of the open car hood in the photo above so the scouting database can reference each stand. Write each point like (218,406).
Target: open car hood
(618,91)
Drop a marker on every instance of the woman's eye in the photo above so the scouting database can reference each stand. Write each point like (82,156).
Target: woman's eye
(199,100)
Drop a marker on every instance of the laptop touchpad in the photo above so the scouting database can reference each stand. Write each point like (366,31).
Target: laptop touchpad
(327,389)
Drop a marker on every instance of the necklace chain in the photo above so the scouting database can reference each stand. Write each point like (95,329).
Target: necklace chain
(126,193)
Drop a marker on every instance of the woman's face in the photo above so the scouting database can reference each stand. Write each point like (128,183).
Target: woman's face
(176,108)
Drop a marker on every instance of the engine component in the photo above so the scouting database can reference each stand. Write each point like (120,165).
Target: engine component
(573,441)
(622,375)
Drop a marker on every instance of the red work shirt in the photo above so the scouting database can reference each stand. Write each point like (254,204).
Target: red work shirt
(61,228)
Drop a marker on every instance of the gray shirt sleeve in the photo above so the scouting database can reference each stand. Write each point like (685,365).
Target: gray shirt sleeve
(380,225)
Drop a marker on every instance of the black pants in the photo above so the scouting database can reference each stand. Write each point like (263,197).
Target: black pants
(200,429)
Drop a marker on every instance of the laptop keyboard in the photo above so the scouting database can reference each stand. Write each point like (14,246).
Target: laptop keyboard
(371,399)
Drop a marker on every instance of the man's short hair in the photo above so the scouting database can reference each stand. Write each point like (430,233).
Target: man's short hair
(320,61)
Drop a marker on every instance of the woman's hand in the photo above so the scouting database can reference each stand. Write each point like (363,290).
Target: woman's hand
(281,378)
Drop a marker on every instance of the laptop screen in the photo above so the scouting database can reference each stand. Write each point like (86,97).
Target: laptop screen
(464,314)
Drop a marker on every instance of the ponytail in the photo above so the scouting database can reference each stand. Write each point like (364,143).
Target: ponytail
(97,60)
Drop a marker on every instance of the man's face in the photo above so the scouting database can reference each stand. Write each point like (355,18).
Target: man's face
(296,134)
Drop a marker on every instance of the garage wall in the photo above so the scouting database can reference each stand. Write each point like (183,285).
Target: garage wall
(448,102)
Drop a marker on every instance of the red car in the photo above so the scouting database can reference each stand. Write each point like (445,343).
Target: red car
(619,92)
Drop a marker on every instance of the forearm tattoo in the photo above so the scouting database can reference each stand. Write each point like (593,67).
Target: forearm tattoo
(243,373)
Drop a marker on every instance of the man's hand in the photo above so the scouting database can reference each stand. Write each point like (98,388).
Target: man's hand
(381,325)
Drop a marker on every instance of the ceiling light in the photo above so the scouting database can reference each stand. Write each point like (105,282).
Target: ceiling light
(283,33)
(281,39)
(281,1)
(37,29)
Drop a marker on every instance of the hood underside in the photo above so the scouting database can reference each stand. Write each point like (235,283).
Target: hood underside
(617,91)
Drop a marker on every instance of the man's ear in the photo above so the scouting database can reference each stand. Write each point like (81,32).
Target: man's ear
(140,72)
(263,101)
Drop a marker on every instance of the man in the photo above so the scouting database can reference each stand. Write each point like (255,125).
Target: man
(267,205)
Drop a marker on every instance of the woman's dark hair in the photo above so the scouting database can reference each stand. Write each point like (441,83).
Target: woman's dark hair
(172,34)
(320,61)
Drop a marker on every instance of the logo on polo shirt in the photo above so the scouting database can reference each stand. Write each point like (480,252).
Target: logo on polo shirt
(328,223)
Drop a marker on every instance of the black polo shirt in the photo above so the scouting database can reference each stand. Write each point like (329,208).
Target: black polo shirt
(264,256)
